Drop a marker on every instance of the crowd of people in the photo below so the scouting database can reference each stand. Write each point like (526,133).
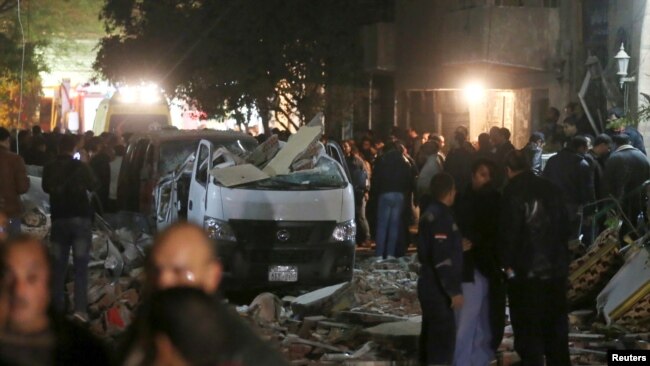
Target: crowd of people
(499,226)
(493,221)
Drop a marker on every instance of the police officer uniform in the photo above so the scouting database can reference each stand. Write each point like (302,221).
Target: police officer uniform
(441,254)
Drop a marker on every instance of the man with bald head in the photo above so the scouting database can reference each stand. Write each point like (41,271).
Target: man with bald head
(30,334)
(183,256)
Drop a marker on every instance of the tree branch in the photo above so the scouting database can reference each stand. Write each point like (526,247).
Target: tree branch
(6,5)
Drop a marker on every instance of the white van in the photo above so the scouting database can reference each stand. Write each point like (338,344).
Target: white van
(295,228)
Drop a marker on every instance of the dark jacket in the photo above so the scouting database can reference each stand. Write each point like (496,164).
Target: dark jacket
(597,165)
(636,138)
(73,345)
(477,216)
(392,173)
(573,174)
(13,182)
(501,151)
(533,228)
(534,154)
(359,177)
(625,171)
(101,167)
(440,250)
(238,345)
(459,165)
(68,182)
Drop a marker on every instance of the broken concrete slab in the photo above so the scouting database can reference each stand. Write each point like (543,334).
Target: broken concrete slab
(265,151)
(297,144)
(326,301)
(395,329)
(238,175)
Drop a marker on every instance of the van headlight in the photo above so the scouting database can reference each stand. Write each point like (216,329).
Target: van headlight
(218,229)
(345,231)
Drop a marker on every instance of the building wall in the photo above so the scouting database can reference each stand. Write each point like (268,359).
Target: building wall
(538,53)
(644,67)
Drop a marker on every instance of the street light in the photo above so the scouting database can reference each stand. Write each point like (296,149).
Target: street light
(623,60)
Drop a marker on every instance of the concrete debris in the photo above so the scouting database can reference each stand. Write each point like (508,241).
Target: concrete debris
(626,298)
(324,301)
(265,151)
(266,308)
(295,147)
(238,175)
(590,273)
(34,217)
(371,320)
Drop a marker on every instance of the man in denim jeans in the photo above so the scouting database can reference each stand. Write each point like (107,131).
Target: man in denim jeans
(392,181)
(68,182)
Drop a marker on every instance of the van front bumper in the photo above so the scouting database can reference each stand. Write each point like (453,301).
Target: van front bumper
(247,265)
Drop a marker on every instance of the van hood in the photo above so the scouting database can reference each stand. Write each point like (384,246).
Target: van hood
(315,205)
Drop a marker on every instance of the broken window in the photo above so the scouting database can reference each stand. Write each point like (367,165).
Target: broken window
(202,172)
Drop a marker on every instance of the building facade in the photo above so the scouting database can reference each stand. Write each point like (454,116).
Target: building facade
(484,63)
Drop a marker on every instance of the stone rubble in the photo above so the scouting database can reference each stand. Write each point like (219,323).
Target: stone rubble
(372,320)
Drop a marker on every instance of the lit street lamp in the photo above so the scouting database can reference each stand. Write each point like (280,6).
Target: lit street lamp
(623,61)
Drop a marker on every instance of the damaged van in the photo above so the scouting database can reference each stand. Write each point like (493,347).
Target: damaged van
(279,214)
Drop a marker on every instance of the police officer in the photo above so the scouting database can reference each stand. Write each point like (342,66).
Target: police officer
(440,252)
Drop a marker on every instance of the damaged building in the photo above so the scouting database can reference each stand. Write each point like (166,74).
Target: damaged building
(481,63)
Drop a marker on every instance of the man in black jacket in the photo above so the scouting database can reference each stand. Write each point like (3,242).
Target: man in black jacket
(596,156)
(459,160)
(573,174)
(68,182)
(392,182)
(480,321)
(534,254)
(625,172)
(439,287)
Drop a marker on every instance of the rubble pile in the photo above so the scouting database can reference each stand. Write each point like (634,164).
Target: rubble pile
(115,269)
(374,319)
(116,277)
(112,303)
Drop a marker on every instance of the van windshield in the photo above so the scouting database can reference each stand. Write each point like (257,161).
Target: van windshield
(131,123)
(326,174)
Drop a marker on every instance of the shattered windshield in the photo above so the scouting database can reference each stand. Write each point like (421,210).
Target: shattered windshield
(326,174)
(174,153)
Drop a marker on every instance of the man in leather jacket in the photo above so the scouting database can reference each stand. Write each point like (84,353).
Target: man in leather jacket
(534,151)
(534,254)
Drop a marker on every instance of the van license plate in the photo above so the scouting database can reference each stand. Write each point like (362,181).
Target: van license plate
(283,274)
